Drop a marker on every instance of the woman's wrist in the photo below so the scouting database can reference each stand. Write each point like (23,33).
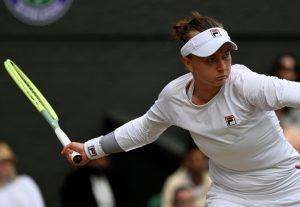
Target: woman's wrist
(93,148)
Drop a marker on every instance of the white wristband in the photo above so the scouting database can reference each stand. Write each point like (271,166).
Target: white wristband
(93,148)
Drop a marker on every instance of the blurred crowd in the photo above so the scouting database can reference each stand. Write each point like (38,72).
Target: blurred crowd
(94,185)
(16,190)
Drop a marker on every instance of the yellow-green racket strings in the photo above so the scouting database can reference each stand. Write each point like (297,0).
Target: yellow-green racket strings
(37,93)
(22,85)
(30,90)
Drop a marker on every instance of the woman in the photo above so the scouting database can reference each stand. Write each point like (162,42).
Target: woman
(286,66)
(229,111)
(16,190)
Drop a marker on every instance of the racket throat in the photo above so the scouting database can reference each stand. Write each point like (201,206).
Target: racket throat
(53,123)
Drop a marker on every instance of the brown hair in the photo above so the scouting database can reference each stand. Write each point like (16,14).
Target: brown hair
(185,29)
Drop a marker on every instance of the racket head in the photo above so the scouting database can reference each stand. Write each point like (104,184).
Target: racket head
(29,89)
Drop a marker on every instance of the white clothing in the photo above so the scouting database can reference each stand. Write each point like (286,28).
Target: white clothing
(22,192)
(182,178)
(102,191)
(207,42)
(237,129)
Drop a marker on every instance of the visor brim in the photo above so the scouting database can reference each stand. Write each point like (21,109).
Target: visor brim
(211,47)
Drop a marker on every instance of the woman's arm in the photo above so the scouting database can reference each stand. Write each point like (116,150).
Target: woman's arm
(267,92)
(134,134)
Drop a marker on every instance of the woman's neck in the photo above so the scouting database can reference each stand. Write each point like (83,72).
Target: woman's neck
(203,93)
(197,179)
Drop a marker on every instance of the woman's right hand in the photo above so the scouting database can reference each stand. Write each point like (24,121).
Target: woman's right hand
(77,147)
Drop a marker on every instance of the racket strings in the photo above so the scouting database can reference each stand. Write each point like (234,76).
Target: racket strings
(31,91)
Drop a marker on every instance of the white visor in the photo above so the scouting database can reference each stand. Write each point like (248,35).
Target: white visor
(207,42)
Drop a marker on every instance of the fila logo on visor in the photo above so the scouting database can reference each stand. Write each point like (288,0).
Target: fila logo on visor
(92,151)
(215,33)
(230,120)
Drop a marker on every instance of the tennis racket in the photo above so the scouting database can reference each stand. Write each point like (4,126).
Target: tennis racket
(40,103)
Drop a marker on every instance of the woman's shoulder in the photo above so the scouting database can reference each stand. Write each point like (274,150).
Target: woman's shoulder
(176,85)
(239,69)
(238,74)
(26,180)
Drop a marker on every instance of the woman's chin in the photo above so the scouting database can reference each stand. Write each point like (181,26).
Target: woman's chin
(220,82)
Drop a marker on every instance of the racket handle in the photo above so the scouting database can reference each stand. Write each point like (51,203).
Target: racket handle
(76,157)
(64,139)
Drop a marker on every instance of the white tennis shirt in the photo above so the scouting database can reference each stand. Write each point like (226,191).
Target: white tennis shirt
(102,191)
(22,192)
(237,129)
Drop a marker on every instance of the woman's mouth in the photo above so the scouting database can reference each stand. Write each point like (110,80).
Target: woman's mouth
(222,77)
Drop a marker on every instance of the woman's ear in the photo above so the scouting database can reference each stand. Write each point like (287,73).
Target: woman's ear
(187,63)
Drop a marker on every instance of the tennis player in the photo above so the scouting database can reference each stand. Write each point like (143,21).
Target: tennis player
(229,111)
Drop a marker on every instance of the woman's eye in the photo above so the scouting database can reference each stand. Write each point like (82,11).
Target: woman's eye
(212,59)
(226,55)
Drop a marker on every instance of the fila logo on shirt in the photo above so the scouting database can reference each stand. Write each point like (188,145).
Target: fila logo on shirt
(230,120)
(92,151)
(215,33)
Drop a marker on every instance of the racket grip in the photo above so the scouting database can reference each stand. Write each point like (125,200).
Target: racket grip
(76,157)
(64,139)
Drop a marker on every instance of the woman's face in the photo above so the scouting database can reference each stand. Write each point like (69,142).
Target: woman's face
(212,70)
(287,70)
(7,171)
